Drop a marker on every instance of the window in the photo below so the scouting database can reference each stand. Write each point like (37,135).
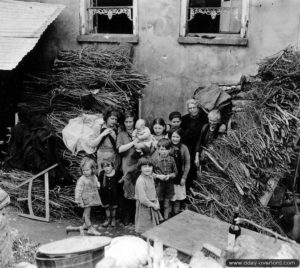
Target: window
(221,22)
(108,20)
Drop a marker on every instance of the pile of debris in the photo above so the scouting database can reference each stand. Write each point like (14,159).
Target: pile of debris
(258,147)
(83,82)
(86,81)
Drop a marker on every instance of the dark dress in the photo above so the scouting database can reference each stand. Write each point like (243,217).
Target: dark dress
(192,129)
(206,137)
(109,189)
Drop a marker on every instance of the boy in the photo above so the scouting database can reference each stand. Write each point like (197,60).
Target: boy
(165,171)
(175,120)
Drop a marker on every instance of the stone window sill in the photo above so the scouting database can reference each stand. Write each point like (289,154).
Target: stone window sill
(213,39)
(108,38)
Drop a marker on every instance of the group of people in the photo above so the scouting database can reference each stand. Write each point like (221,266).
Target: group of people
(148,169)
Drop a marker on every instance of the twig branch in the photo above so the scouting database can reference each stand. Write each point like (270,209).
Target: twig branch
(240,220)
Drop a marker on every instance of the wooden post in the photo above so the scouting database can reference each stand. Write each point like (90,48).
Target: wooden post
(183,17)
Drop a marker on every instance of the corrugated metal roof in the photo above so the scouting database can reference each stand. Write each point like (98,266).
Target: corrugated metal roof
(21,25)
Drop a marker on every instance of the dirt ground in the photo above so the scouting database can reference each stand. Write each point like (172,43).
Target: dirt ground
(44,232)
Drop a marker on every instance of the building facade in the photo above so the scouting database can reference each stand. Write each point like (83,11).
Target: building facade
(180,44)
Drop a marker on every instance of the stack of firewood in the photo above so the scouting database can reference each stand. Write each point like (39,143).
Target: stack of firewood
(259,144)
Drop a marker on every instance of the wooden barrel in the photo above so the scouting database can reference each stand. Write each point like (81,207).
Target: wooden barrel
(76,251)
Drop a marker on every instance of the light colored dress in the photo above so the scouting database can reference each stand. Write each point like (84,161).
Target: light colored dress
(145,216)
(86,192)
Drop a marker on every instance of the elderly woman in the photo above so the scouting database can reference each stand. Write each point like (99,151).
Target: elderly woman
(107,140)
(191,125)
(209,133)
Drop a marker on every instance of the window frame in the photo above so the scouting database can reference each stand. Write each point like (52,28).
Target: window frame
(85,27)
(239,39)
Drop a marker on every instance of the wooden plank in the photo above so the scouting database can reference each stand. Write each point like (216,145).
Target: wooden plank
(30,197)
(272,184)
(183,17)
(108,38)
(217,39)
(47,208)
(188,231)
(33,217)
(37,175)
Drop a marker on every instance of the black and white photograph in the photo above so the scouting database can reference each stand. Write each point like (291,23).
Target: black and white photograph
(149,133)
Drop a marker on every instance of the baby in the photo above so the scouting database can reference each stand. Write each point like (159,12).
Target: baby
(143,136)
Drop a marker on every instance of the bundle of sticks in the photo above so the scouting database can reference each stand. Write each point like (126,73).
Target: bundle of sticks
(61,199)
(259,147)
(87,78)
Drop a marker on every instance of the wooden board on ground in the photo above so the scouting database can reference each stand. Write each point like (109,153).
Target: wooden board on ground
(188,231)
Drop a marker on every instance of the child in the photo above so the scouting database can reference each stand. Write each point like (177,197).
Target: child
(143,136)
(147,213)
(175,120)
(165,165)
(182,159)
(209,132)
(159,130)
(86,192)
(109,178)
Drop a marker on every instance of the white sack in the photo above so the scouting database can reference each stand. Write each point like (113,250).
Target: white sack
(80,131)
(128,251)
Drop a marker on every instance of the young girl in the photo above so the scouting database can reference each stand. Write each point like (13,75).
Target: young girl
(109,178)
(181,156)
(86,192)
(147,213)
(159,129)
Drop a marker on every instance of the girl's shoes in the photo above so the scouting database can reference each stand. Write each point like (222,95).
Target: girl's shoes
(93,231)
(85,227)
(106,223)
(111,222)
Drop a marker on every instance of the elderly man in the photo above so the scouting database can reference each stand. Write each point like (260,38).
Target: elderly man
(192,124)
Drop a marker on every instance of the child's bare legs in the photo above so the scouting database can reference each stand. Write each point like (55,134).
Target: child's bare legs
(88,223)
(176,207)
(108,217)
(87,217)
(113,216)
(166,208)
